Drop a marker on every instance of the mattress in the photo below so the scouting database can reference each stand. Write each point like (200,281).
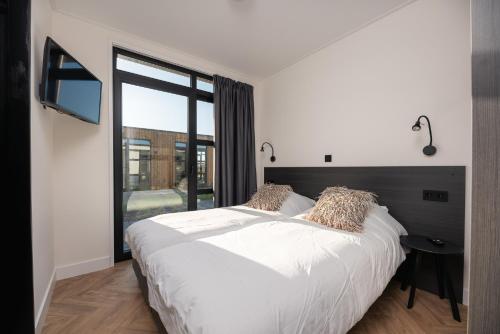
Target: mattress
(265,273)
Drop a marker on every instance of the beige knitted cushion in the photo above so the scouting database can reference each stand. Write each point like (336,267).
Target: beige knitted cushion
(342,208)
(269,197)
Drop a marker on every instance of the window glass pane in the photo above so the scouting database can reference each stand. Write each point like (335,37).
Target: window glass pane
(147,69)
(204,84)
(133,167)
(154,132)
(180,163)
(205,167)
(205,123)
(153,109)
(205,201)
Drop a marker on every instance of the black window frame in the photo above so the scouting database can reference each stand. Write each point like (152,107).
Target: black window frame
(192,93)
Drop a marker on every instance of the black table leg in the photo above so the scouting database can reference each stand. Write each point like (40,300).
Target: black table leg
(418,255)
(439,274)
(408,270)
(451,292)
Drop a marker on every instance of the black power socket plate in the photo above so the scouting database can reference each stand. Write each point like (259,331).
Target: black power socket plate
(435,195)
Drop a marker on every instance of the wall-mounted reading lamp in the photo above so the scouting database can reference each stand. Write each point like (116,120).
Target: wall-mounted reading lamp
(429,149)
(273,158)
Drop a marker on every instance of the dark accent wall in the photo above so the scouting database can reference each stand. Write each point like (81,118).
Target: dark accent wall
(16,195)
(401,190)
(484,303)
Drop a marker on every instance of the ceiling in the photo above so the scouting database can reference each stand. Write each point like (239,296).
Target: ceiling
(254,37)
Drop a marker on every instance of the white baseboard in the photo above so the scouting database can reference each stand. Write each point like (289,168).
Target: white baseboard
(465,298)
(44,307)
(84,267)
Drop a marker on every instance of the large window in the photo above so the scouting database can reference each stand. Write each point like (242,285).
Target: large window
(163,141)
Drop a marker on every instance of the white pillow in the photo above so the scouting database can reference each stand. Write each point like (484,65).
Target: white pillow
(382,213)
(296,204)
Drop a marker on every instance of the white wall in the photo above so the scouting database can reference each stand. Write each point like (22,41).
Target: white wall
(358,98)
(82,191)
(41,166)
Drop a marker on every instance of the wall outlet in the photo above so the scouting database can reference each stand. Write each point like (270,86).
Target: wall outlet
(328,158)
(435,195)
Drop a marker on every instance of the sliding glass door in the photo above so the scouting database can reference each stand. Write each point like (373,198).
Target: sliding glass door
(163,141)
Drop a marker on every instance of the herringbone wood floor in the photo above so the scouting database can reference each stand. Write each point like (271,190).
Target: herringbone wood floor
(110,301)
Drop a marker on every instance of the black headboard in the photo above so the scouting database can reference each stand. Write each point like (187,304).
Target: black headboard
(401,190)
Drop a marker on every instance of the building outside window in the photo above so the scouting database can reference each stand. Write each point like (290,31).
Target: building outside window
(137,166)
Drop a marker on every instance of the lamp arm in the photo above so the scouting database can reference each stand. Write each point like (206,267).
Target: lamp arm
(272,148)
(429,124)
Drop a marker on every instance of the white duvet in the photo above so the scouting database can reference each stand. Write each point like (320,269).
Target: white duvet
(155,233)
(238,270)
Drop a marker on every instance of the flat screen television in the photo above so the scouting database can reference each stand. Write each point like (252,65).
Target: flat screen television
(68,86)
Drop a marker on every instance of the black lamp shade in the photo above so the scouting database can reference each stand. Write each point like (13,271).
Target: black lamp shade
(416,126)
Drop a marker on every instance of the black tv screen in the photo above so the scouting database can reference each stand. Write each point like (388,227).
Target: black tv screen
(67,86)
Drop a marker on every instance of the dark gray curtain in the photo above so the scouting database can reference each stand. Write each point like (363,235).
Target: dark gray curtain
(235,174)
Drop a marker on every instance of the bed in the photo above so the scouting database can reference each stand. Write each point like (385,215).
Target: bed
(263,273)
(241,270)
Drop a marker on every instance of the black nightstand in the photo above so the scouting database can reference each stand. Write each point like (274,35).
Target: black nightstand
(419,245)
